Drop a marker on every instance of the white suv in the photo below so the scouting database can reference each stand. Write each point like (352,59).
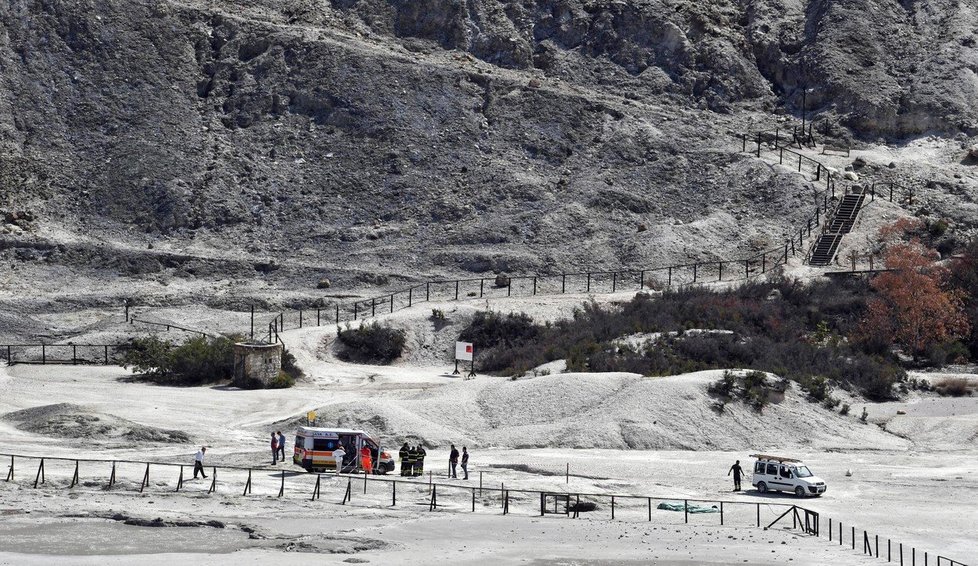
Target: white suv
(776,473)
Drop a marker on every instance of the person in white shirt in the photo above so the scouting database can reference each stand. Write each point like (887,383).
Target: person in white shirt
(199,462)
(338,456)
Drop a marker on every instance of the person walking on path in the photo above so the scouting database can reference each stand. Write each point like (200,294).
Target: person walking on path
(403,455)
(419,461)
(199,463)
(274,449)
(453,463)
(281,446)
(736,470)
(366,460)
(465,462)
(338,456)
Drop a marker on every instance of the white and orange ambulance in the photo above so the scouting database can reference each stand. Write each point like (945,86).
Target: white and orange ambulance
(314,448)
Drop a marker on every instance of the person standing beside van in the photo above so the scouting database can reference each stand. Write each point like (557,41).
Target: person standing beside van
(281,446)
(274,449)
(366,460)
(736,470)
(338,456)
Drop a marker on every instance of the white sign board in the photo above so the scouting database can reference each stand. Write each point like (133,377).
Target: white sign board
(463,351)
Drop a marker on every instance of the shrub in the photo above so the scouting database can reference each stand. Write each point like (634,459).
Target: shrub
(371,343)
(752,388)
(817,387)
(290,368)
(766,321)
(438,318)
(954,387)
(198,360)
(489,329)
(282,381)
(845,409)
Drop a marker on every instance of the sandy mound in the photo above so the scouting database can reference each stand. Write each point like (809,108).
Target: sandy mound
(619,411)
(73,421)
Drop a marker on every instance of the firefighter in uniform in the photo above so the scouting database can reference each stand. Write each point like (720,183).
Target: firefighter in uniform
(403,455)
(419,461)
(412,460)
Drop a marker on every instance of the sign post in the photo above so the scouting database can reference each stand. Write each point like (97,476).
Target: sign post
(465,351)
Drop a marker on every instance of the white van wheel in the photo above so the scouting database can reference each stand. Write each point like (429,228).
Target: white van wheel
(800,491)
(762,487)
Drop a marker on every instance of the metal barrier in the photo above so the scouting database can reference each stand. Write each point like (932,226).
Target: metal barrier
(74,354)
(437,496)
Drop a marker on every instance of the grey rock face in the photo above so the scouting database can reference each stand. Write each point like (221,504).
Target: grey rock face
(422,137)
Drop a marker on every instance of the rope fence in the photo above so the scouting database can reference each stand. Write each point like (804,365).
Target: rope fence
(376,491)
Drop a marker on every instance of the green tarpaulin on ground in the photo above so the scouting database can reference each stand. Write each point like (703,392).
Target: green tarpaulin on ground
(669,506)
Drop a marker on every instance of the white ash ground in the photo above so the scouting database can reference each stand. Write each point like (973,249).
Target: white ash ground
(913,481)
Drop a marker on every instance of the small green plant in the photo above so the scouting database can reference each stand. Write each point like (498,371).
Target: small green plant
(281,381)
(845,409)
(864,416)
(817,387)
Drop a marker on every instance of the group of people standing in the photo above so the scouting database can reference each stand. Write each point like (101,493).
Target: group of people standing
(412,460)
(453,462)
(278,447)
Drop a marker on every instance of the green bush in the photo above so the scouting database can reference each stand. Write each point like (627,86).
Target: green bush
(282,381)
(780,327)
(290,368)
(371,343)
(489,329)
(197,361)
(751,388)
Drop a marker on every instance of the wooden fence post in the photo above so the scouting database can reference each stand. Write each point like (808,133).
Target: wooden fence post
(145,482)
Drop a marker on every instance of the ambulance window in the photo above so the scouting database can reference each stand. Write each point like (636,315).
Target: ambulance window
(759,467)
(772,469)
(323,444)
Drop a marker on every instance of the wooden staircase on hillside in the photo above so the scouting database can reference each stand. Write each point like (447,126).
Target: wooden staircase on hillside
(827,244)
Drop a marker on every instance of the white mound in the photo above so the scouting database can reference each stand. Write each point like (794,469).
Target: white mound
(612,410)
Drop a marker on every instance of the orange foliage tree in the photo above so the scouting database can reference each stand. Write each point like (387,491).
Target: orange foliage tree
(914,307)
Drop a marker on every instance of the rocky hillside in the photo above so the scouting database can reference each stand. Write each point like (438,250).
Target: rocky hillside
(157,142)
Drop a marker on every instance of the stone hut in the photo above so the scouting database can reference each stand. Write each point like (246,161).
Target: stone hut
(256,363)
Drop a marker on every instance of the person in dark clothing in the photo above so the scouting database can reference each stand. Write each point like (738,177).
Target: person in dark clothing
(419,461)
(412,460)
(453,463)
(274,449)
(736,470)
(403,455)
(465,462)
(281,446)
(199,463)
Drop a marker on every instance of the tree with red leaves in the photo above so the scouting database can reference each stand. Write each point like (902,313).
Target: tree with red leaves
(915,306)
